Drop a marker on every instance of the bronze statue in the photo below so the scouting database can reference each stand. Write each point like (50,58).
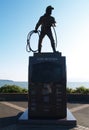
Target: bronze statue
(46,21)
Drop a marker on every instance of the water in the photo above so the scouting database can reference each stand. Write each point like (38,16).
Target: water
(25,84)
(77,84)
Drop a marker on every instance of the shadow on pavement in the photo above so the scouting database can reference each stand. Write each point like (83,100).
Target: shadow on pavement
(6,121)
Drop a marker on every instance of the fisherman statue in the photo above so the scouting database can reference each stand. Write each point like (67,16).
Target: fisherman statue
(46,22)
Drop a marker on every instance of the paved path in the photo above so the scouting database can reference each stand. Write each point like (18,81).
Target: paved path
(16,106)
(74,109)
(79,108)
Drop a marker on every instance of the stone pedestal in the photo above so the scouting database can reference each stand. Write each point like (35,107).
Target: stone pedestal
(47,92)
(47,86)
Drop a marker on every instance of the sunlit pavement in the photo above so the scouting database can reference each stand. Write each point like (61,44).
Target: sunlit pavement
(10,111)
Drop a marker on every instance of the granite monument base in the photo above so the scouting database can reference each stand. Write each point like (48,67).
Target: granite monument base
(69,121)
(47,86)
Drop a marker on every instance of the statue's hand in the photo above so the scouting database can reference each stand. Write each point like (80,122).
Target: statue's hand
(35,31)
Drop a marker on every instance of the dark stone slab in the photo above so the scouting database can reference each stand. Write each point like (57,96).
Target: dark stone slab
(47,67)
(47,86)
(47,101)
(68,121)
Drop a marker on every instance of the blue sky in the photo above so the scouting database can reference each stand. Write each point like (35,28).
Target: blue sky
(18,17)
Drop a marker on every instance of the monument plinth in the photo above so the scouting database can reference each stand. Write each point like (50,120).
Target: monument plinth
(47,92)
(47,86)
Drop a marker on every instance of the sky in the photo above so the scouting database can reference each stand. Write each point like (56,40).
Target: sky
(19,17)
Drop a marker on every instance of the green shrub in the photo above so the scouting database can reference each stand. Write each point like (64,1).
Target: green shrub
(12,89)
(78,90)
(70,90)
(82,90)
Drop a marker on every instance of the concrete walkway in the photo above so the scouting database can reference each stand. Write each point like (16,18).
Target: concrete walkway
(79,108)
(23,109)
(16,107)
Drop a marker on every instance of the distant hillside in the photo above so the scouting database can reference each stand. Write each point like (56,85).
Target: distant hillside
(23,84)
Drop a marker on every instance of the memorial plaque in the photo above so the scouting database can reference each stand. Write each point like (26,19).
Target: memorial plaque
(47,86)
